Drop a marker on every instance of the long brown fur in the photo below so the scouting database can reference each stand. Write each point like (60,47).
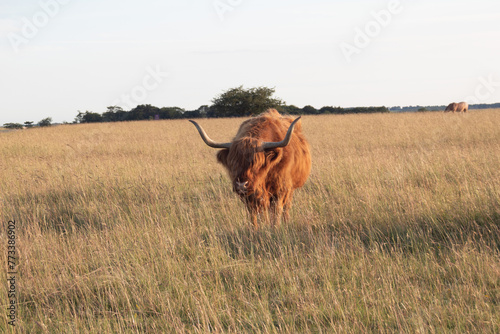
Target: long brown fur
(272,175)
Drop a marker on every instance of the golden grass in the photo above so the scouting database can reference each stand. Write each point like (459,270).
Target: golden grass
(132,227)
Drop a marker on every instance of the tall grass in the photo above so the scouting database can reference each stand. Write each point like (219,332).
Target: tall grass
(132,227)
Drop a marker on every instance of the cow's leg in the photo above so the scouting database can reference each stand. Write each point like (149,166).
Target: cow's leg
(286,208)
(281,207)
(254,214)
(258,207)
(253,211)
(277,211)
(266,204)
(287,203)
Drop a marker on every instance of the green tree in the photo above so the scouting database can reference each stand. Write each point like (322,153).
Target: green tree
(114,114)
(171,112)
(78,117)
(244,102)
(309,110)
(28,124)
(13,126)
(331,110)
(202,111)
(291,110)
(88,117)
(45,122)
(143,111)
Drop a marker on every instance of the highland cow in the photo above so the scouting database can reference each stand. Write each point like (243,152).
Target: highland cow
(267,160)
(457,107)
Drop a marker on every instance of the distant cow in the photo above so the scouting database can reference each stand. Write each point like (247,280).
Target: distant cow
(267,160)
(458,107)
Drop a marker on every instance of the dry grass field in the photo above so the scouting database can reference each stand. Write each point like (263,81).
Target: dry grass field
(133,228)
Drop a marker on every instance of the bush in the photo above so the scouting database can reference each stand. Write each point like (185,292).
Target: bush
(13,126)
(45,122)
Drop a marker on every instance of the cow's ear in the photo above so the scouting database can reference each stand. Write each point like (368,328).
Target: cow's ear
(222,156)
(273,156)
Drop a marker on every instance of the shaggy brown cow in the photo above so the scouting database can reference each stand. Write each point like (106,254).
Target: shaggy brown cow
(458,107)
(267,160)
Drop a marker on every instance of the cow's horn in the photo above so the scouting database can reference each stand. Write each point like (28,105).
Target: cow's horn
(284,142)
(207,139)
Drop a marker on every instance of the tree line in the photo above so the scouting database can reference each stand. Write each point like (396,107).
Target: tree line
(29,124)
(235,102)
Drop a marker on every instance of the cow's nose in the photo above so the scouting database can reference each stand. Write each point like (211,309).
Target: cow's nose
(242,187)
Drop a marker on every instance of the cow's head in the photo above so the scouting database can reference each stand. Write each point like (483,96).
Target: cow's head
(248,159)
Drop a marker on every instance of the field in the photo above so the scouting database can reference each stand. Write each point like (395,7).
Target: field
(133,227)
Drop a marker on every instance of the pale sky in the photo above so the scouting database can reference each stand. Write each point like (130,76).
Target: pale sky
(61,56)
